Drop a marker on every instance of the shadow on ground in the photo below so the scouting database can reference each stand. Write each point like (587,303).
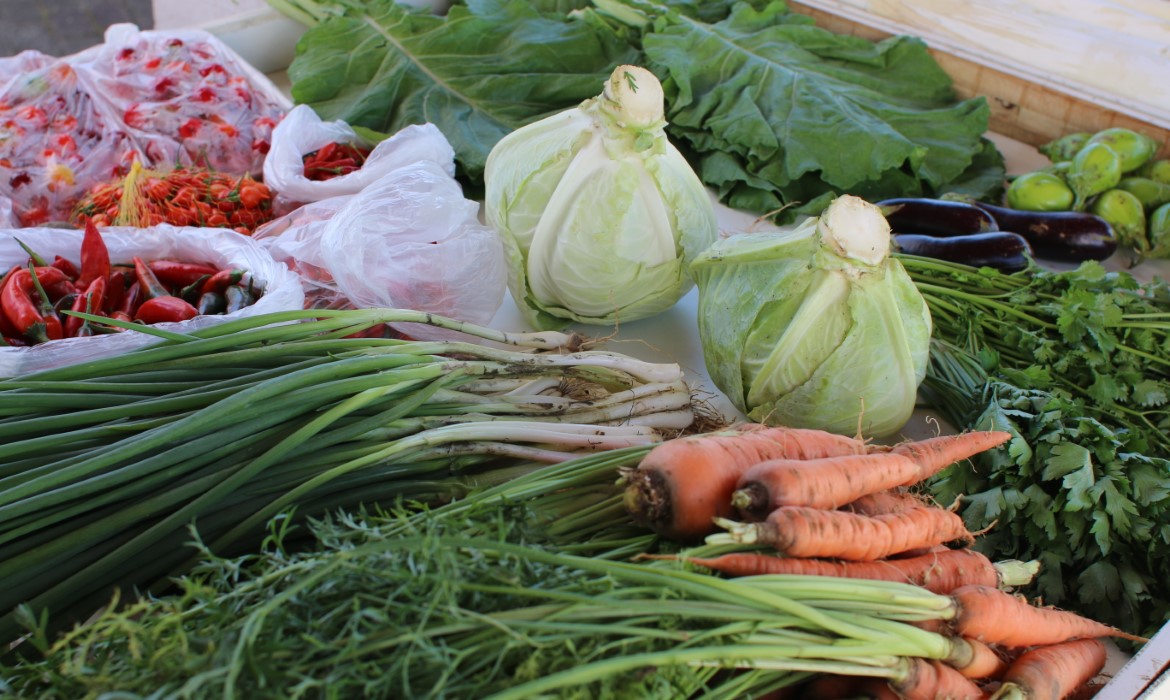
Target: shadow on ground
(62,27)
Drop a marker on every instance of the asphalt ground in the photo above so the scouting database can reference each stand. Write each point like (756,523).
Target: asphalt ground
(62,27)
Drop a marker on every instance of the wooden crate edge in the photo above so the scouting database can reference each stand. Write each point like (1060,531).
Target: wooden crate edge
(1024,106)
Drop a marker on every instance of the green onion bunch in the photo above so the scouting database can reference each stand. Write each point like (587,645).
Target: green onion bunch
(104,464)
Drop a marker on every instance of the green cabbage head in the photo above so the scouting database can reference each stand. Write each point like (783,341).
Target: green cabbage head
(816,326)
(599,213)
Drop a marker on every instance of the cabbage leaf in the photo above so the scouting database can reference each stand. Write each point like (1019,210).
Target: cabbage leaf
(480,72)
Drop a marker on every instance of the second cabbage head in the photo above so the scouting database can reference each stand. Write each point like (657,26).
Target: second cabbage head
(817,326)
(599,213)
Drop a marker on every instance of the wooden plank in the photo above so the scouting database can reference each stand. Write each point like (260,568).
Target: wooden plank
(1024,106)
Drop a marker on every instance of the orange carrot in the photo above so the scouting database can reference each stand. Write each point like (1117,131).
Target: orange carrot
(1053,672)
(937,453)
(976,660)
(888,501)
(834,481)
(927,679)
(937,571)
(992,616)
(798,531)
(681,485)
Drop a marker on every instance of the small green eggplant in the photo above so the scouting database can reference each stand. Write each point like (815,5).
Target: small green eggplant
(1096,168)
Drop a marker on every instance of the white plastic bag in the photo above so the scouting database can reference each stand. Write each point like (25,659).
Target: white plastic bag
(410,240)
(58,138)
(302,132)
(219,247)
(185,96)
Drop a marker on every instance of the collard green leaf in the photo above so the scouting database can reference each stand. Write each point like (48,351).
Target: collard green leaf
(784,99)
(478,73)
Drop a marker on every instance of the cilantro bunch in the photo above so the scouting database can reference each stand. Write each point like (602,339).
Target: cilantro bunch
(1075,365)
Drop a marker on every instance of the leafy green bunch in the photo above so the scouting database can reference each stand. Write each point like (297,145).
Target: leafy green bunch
(1074,365)
(770,109)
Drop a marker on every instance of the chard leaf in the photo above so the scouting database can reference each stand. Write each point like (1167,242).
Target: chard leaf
(478,73)
(782,99)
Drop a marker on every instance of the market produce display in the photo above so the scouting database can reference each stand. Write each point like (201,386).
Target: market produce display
(316,467)
(1073,365)
(1113,174)
(161,98)
(106,463)
(760,98)
(401,601)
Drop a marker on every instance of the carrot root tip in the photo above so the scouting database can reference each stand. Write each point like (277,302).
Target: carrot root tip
(1013,572)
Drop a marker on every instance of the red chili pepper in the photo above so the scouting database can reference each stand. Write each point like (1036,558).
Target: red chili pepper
(131,300)
(90,302)
(53,328)
(7,326)
(147,281)
(177,275)
(22,311)
(60,289)
(67,267)
(95,257)
(164,308)
(220,281)
(115,290)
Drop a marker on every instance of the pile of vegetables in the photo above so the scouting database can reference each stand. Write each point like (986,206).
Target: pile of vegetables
(757,96)
(1112,173)
(833,506)
(183,196)
(976,233)
(34,300)
(106,463)
(1074,365)
(521,590)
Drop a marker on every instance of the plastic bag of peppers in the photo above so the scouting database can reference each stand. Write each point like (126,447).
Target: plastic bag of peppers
(179,278)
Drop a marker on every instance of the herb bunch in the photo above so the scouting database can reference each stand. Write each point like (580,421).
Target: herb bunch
(1075,365)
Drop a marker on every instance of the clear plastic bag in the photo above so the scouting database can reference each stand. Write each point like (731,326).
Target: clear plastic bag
(220,247)
(160,97)
(302,132)
(410,240)
(185,96)
(57,138)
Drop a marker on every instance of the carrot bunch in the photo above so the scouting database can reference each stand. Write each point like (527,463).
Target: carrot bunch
(810,503)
